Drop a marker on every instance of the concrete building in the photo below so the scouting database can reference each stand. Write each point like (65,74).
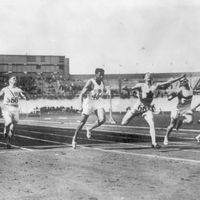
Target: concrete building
(30,64)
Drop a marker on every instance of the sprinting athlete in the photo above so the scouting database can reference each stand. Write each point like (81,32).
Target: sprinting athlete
(183,112)
(93,91)
(193,109)
(144,106)
(10,108)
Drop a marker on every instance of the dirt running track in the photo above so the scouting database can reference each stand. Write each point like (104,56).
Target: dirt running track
(91,174)
(108,171)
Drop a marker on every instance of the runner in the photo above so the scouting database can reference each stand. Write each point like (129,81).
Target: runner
(198,136)
(10,108)
(144,106)
(183,113)
(93,91)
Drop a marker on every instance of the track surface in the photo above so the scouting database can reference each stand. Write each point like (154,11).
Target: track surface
(117,163)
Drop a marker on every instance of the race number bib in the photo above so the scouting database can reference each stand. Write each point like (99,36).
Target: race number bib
(13,100)
(96,94)
(143,108)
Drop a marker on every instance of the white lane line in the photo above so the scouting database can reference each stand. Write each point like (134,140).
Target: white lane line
(37,139)
(113,142)
(41,140)
(144,155)
(18,147)
(105,125)
(111,126)
(57,135)
(100,130)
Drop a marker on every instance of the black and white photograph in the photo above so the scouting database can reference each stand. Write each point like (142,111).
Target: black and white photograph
(99,99)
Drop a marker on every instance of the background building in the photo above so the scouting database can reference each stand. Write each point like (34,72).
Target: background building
(32,64)
(48,76)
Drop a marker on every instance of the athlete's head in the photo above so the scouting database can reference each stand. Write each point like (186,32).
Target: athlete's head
(12,80)
(184,82)
(99,74)
(148,77)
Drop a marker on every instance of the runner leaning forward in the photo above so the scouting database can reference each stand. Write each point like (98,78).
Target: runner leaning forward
(144,106)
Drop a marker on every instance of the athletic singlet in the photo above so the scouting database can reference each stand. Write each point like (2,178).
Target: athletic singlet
(184,97)
(146,94)
(11,96)
(96,92)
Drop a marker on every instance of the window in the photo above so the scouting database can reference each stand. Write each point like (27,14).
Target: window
(31,58)
(61,59)
(61,67)
(38,67)
(42,58)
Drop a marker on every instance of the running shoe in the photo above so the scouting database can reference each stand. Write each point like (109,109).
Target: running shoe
(8,145)
(165,142)
(74,144)
(197,138)
(88,134)
(155,146)
(10,134)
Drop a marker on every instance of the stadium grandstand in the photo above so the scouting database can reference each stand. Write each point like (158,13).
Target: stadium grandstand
(48,76)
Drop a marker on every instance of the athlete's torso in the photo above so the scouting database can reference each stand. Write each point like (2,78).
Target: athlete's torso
(11,95)
(184,97)
(146,94)
(96,91)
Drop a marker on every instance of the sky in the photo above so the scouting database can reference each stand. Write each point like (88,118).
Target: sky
(121,36)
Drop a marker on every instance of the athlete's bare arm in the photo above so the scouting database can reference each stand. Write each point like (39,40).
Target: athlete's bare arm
(172,95)
(169,82)
(2,92)
(195,107)
(24,95)
(87,88)
(136,87)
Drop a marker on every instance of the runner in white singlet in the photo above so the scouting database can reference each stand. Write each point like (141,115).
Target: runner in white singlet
(144,106)
(10,108)
(91,101)
(183,112)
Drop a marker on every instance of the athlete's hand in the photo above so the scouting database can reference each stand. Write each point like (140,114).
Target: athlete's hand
(108,91)
(183,76)
(80,108)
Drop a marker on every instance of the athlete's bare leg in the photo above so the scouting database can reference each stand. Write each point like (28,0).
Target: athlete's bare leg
(127,117)
(187,119)
(150,120)
(172,124)
(78,129)
(101,118)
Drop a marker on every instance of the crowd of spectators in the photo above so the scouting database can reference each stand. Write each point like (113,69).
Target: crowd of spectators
(52,110)
(51,86)
(56,86)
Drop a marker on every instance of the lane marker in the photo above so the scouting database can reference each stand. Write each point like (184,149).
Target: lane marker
(110,126)
(18,147)
(100,130)
(145,155)
(36,139)
(105,125)
(104,141)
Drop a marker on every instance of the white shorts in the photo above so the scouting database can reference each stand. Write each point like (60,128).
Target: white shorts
(89,106)
(181,112)
(141,109)
(10,114)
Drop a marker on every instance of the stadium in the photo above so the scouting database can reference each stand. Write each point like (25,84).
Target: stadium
(117,162)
